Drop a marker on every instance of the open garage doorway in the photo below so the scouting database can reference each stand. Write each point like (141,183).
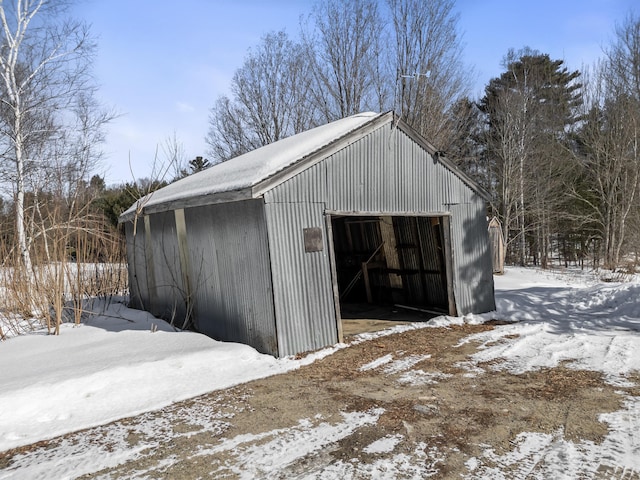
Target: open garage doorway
(390,269)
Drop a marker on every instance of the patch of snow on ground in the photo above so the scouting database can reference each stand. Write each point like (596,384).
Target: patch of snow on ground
(420,377)
(590,327)
(112,367)
(391,366)
(376,363)
(383,445)
(403,364)
(286,446)
(87,452)
(586,325)
(473,370)
(422,463)
(543,456)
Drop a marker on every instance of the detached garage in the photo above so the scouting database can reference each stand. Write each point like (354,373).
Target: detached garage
(266,248)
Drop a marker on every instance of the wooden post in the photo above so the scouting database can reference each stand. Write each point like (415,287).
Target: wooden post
(148,258)
(185,267)
(334,278)
(448,260)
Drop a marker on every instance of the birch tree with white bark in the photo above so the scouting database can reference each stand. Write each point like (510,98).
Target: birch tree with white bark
(45,89)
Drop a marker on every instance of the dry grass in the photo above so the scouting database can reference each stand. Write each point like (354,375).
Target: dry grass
(68,269)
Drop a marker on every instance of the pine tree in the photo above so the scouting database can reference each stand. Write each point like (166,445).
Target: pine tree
(530,109)
(199,164)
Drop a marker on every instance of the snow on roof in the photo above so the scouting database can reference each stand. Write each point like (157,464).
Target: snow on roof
(253,167)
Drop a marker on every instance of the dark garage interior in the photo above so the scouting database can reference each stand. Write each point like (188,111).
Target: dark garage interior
(393,267)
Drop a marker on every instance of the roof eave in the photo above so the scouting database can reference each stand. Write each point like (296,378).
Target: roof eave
(188,202)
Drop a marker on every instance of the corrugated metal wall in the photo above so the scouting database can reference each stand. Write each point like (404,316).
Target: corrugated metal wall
(303,296)
(221,279)
(138,284)
(170,300)
(473,271)
(230,273)
(384,172)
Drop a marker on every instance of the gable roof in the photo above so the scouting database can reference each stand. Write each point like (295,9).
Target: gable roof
(247,170)
(249,175)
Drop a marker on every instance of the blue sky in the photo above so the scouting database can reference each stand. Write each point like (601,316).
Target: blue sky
(162,64)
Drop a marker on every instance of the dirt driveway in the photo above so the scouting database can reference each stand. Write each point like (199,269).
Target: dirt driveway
(402,406)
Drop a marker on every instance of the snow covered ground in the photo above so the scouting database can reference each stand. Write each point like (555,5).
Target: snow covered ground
(119,363)
(115,366)
(588,325)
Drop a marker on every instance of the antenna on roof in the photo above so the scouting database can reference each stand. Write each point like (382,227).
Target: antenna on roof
(415,76)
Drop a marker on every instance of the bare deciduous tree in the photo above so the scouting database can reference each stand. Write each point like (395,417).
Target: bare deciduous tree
(228,135)
(610,149)
(623,59)
(39,72)
(270,100)
(465,144)
(49,122)
(429,72)
(509,137)
(530,108)
(357,55)
(346,58)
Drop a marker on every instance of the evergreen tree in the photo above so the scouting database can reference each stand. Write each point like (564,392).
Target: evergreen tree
(530,110)
(199,164)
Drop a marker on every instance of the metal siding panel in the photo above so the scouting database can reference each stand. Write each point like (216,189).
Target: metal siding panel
(309,185)
(473,278)
(211,312)
(352,178)
(138,288)
(386,172)
(170,300)
(303,296)
(229,253)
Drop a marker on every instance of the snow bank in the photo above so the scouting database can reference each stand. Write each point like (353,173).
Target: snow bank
(112,367)
(590,326)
